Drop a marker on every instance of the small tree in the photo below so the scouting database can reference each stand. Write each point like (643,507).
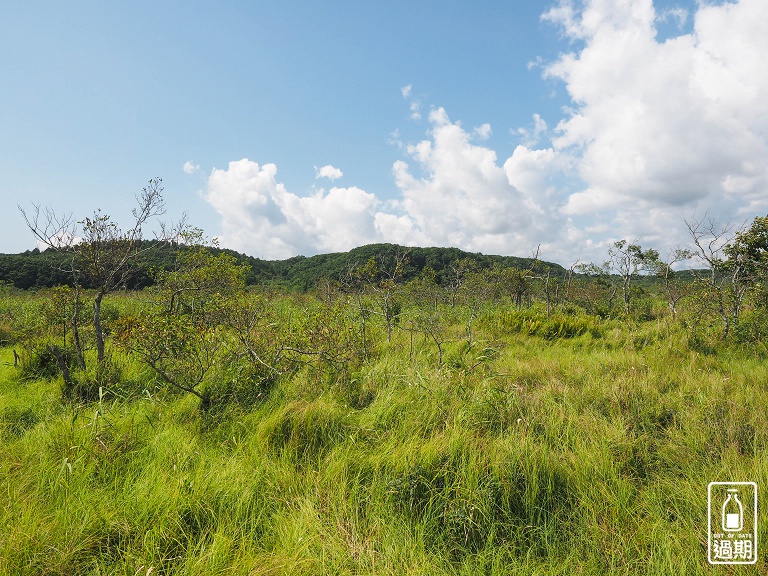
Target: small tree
(476,291)
(426,314)
(545,275)
(179,352)
(459,270)
(98,254)
(386,287)
(63,311)
(515,282)
(674,289)
(627,260)
(709,239)
(182,338)
(382,281)
(569,277)
(355,282)
(597,290)
(747,262)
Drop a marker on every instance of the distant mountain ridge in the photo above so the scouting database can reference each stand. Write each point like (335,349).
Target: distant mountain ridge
(36,269)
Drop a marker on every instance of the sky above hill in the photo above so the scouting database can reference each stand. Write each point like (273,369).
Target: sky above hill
(301,127)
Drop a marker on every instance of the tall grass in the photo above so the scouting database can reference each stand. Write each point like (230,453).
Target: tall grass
(580,449)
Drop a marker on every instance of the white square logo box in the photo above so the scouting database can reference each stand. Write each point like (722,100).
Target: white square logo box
(732,522)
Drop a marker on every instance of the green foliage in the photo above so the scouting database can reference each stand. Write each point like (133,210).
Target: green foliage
(199,282)
(552,458)
(752,329)
(179,352)
(36,269)
(241,383)
(61,308)
(181,337)
(748,251)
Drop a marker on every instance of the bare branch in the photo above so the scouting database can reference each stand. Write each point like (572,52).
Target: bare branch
(54,231)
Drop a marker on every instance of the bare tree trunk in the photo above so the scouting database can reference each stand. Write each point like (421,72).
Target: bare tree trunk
(671,299)
(61,362)
(724,315)
(388,316)
(625,293)
(439,349)
(97,327)
(611,298)
(76,330)
(363,313)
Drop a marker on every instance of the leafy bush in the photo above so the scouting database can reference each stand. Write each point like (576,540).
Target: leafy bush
(752,327)
(243,383)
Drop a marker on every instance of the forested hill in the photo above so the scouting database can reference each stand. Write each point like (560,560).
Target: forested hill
(36,269)
(303,272)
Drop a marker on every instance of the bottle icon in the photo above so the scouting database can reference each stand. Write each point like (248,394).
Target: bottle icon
(733,512)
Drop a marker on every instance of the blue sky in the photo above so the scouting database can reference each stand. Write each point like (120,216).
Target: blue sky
(303,127)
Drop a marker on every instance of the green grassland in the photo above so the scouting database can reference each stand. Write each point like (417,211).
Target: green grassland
(562,443)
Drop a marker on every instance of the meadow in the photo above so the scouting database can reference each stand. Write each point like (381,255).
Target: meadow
(374,431)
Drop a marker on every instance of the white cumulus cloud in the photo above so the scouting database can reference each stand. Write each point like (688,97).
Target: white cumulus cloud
(328,171)
(483,132)
(533,135)
(461,195)
(452,193)
(260,217)
(661,129)
(190,168)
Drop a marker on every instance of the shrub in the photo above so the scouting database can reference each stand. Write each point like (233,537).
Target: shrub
(243,383)
(752,327)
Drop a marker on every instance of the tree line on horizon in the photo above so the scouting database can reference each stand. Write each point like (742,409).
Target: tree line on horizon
(37,268)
